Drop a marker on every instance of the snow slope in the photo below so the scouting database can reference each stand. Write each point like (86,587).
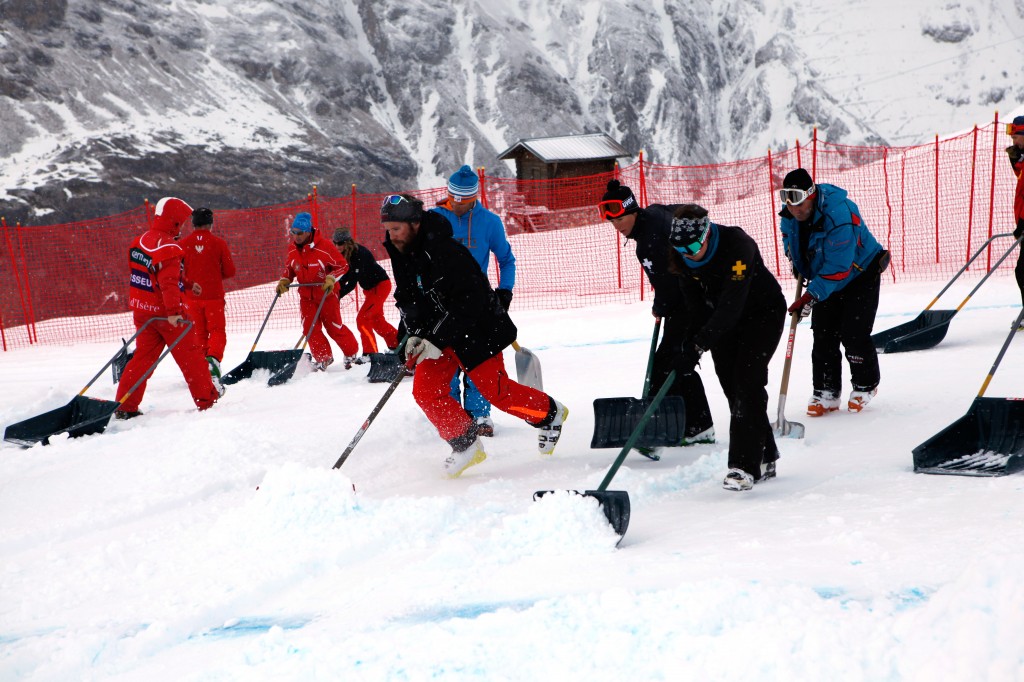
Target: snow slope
(222,545)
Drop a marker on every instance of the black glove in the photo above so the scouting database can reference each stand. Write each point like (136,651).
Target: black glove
(504,297)
(1020,228)
(688,358)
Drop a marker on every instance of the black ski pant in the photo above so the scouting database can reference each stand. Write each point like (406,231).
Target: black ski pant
(690,387)
(741,362)
(1018,272)
(846,317)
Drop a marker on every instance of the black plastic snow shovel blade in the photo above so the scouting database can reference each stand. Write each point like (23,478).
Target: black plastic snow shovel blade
(616,418)
(271,360)
(614,504)
(285,361)
(384,367)
(987,441)
(925,331)
(82,416)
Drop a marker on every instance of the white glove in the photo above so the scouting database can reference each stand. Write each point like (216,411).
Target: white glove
(421,349)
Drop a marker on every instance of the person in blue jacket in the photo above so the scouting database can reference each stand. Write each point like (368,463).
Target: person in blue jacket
(831,248)
(483,233)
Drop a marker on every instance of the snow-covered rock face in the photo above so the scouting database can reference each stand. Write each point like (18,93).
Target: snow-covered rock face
(246,102)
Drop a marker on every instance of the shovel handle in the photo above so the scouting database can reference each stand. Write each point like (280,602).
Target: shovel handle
(633,437)
(650,358)
(152,368)
(304,339)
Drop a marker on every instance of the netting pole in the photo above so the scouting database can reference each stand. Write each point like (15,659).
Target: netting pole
(936,198)
(313,208)
(799,163)
(618,245)
(643,202)
(970,205)
(814,153)
(903,209)
(33,337)
(17,277)
(3,336)
(483,190)
(355,230)
(992,185)
(775,217)
(888,203)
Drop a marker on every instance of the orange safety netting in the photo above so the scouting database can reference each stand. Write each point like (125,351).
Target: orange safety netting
(931,205)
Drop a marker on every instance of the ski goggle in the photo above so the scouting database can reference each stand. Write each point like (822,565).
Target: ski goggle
(614,208)
(397,208)
(1012,129)
(795,197)
(700,227)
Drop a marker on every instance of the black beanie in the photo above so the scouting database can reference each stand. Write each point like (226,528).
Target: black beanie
(798,179)
(202,217)
(616,190)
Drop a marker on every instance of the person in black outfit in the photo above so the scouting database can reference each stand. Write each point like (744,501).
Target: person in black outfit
(649,228)
(455,320)
(364,270)
(736,310)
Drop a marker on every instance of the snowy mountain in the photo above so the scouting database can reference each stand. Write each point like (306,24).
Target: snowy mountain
(244,102)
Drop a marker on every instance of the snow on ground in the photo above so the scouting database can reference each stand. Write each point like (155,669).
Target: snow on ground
(223,546)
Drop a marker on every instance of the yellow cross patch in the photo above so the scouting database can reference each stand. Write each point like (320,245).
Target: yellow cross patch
(738,269)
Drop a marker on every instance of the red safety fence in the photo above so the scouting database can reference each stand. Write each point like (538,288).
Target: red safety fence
(932,206)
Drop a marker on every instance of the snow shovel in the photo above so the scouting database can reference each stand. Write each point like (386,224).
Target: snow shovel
(930,326)
(387,366)
(289,359)
(987,441)
(83,416)
(782,428)
(615,503)
(272,360)
(120,361)
(615,419)
(373,415)
(528,367)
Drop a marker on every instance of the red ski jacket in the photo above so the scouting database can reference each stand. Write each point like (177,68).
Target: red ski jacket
(155,262)
(311,263)
(207,263)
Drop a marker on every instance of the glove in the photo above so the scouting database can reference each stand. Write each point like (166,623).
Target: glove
(688,358)
(419,349)
(1020,228)
(329,282)
(802,305)
(282,286)
(504,297)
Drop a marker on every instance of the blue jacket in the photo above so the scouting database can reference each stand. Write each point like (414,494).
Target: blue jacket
(838,244)
(481,232)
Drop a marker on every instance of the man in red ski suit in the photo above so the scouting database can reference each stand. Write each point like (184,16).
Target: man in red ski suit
(314,260)
(207,264)
(155,290)
(455,320)
(364,270)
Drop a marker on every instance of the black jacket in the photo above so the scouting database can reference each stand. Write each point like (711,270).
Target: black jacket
(445,297)
(362,270)
(732,291)
(650,231)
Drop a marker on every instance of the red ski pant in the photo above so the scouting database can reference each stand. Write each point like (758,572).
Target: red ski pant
(370,318)
(432,390)
(148,346)
(330,322)
(207,316)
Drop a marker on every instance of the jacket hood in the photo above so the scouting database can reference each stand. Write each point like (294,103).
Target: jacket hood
(171,213)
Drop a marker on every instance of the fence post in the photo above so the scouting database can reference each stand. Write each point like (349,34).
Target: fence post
(936,198)
(17,278)
(992,186)
(355,230)
(775,218)
(483,188)
(970,205)
(888,203)
(643,201)
(814,153)
(799,163)
(33,336)
(903,210)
